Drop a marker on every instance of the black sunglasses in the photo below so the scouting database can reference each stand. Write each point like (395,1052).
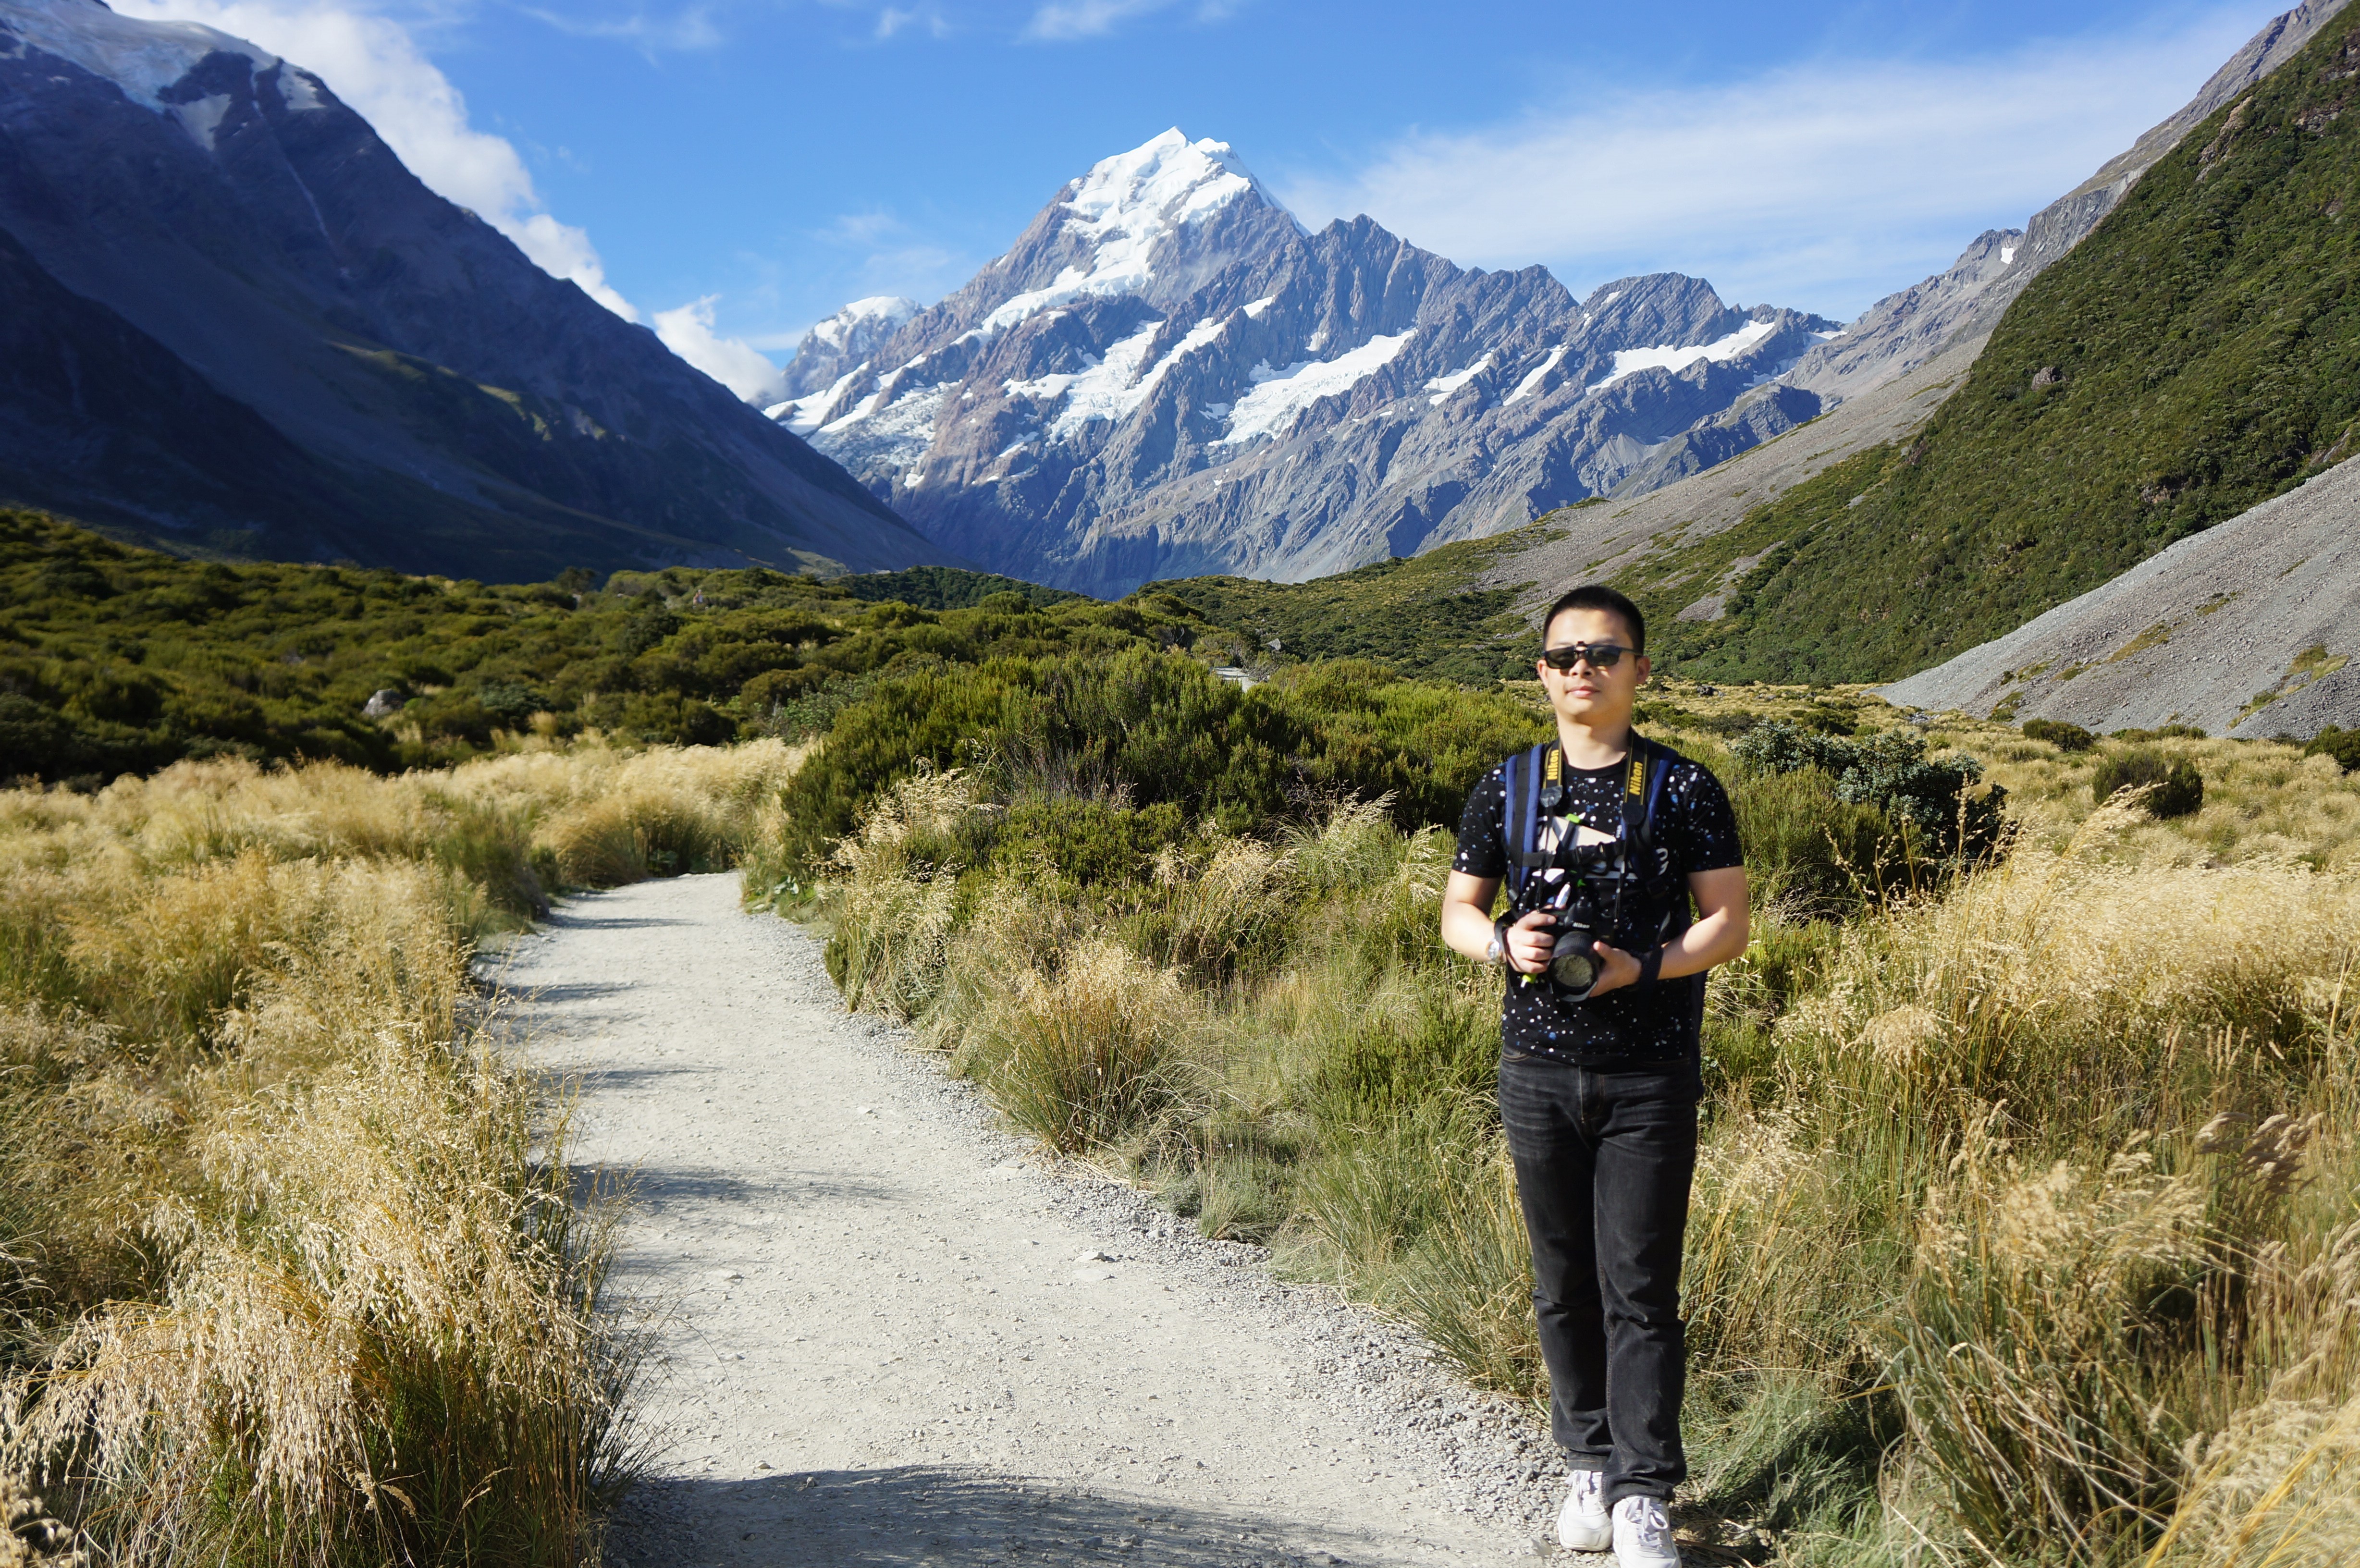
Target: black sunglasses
(1601,655)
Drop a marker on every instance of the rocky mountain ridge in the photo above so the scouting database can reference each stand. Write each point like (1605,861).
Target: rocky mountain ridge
(1906,329)
(234,322)
(1167,375)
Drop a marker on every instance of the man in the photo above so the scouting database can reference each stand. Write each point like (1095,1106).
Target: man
(1600,1073)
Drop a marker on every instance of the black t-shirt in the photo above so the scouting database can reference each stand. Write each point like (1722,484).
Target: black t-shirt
(1693,830)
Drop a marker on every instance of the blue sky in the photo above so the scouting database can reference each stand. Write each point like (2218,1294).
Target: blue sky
(773,159)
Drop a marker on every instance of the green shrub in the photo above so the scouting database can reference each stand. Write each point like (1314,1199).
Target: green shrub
(1153,727)
(1807,851)
(2340,744)
(2176,788)
(2058,733)
(1891,772)
(1092,844)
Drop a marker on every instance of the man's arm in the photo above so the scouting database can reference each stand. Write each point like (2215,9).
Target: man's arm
(1467,925)
(1719,934)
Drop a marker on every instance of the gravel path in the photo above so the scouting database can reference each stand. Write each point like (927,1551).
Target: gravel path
(888,1334)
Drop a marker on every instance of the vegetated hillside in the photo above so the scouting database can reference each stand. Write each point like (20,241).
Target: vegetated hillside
(117,659)
(2247,628)
(114,658)
(2197,353)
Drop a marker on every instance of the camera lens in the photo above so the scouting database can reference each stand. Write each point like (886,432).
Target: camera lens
(1575,970)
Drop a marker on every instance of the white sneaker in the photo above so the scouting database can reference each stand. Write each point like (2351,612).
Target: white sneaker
(1642,1535)
(1585,1525)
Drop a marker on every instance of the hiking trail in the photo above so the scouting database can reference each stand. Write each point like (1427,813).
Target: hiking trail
(887,1332)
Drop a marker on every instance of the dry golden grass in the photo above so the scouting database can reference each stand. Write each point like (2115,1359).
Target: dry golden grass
(290,1267)
(2263,799)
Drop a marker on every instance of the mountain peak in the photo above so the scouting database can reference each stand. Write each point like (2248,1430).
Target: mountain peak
(1153,222)
(878,310)
(1166,181)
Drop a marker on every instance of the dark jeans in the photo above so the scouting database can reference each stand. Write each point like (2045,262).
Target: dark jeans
(1603,1160)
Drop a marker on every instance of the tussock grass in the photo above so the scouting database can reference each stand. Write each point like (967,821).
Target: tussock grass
(290,1267)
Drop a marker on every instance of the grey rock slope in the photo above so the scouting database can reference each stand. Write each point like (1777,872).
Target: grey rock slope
(2246,628)
(235,319)
(1166,376)
(1902,331)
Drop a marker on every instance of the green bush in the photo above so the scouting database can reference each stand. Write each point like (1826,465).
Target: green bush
(1809,852)
(1092,844)
(2176,789)
(2340,744)
(1150,727)
(1890,771)
(2058,733)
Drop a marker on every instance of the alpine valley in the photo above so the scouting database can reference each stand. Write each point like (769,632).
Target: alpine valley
(1167,375)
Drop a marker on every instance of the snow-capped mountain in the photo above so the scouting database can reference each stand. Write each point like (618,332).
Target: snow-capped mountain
(836,344)
(1167,375)
(229,312)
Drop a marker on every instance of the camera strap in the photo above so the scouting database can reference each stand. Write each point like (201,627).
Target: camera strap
(1534,785)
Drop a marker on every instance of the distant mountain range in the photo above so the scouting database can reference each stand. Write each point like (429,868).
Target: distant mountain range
(1166,374)
(231,320)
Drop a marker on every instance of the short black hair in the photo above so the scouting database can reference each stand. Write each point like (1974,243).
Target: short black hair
(1598,596)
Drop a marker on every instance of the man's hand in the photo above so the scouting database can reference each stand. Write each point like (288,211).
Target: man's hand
(1616,969)
(1528,946)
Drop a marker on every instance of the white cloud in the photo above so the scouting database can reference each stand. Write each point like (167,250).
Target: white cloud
(1061,21)
(690,29)
(894,258)
(896,20)
(372,63)
(1823,185)
(688,332)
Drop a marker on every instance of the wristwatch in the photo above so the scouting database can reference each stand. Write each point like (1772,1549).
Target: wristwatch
(1497,952)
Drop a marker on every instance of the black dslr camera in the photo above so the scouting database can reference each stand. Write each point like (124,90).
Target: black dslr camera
(1574,966)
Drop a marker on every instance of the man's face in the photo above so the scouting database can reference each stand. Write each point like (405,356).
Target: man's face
(1587,694)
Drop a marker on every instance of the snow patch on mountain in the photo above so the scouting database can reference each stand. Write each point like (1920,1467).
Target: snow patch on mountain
(142,57)
(1531,385)
(1278,395)
(896,434)
(877,310)
(1442,387)
(1631,361)
(1112,387)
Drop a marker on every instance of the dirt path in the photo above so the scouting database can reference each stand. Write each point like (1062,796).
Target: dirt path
(889,1336)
